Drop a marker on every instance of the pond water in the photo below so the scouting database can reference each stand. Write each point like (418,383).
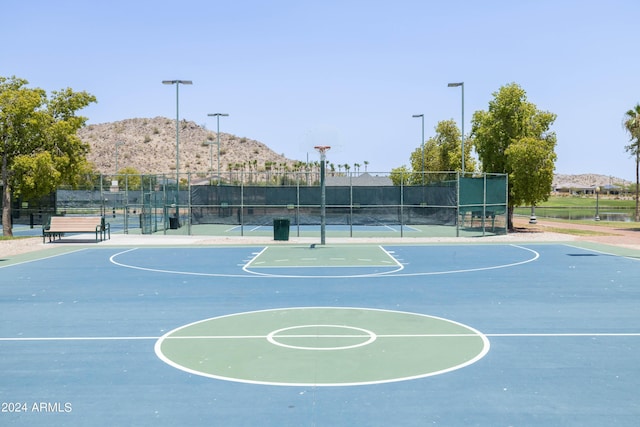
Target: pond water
(604,216)
(586,214)
(615,216)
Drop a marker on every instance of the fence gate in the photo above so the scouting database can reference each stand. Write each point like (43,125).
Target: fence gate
(148,216)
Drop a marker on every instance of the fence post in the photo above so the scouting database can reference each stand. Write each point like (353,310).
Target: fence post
(189,212)
(458,204)
(402,207)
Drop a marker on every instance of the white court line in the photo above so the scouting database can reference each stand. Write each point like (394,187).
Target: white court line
(112,259)
(253,262)
(509,335)
(602,252)
(77,338)
(398,272)
(585,334)
(43,258)
(536,255)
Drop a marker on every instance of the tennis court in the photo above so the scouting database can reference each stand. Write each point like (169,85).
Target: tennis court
(452,334)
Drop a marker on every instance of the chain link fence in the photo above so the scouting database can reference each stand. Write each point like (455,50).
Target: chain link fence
(356,204)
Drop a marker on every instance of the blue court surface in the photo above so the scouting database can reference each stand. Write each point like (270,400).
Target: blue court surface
(336,335)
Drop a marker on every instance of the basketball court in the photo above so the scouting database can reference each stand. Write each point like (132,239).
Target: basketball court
(318,335)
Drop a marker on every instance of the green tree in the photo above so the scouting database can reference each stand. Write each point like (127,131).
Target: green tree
(38,142)
(514,137)
(442,152)
(129,178)
(429,155)
(400,176)
(531,162)
(632,124)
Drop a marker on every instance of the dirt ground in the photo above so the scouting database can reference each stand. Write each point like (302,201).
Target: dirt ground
(624,237)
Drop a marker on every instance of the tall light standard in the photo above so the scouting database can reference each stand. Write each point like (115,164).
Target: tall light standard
(421,142)
(461,84)
(597,190)
(217,116)
(210,144)
(177,83)
(322,149)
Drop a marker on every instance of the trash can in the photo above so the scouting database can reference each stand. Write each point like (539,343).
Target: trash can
(174,223)
(281,229)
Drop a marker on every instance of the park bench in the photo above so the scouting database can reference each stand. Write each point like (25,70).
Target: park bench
(57,226)
(478,214)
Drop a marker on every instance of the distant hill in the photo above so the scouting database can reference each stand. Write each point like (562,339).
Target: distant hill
(149,146)
(587,180)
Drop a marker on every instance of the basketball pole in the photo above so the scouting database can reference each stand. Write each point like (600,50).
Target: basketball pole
(323,195)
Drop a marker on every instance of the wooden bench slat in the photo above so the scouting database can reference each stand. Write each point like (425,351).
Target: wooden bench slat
(58,225)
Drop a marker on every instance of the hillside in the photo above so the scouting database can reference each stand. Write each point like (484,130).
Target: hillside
(587,180)
(149,146)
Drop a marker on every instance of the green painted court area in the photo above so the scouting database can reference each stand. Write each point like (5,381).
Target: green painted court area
(323,256)
(319,346)
(181,333)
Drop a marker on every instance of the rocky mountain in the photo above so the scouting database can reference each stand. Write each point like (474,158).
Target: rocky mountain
(149,146)
(587,180)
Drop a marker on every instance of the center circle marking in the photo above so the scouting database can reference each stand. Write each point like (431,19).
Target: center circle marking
(322,346)
(319,336)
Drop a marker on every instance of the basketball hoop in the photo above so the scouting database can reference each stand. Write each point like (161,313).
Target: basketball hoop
(322,148)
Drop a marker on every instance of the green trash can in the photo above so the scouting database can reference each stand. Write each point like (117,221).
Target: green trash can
(174,223)
(281,228)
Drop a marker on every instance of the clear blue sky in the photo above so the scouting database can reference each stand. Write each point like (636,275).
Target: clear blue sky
(349,74)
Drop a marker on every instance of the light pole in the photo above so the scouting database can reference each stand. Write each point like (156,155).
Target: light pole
(210,144)
(323,198)
(461,84)
(597,189)
(421,142)
(177,83)
(532,218)
(217,116)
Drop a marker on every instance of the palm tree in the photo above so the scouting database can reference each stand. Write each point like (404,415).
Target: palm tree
(632,124)
(230,169)
(268,165)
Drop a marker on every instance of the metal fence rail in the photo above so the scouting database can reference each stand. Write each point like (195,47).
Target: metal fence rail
(356,204)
